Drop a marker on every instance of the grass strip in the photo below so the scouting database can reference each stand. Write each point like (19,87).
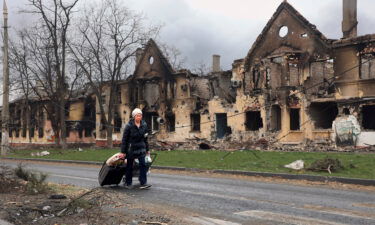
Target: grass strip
(356,165)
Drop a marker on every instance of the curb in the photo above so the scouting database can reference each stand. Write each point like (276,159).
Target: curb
(343,180)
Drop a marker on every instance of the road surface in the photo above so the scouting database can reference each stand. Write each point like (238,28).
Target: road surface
(232,201)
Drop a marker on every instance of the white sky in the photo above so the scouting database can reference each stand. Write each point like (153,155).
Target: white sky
(201,28)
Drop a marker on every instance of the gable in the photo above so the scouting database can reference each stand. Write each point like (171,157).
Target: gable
(152,64)
(301,37)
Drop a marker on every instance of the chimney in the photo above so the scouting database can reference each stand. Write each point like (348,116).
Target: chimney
(216,63)
(349,18)
(138,55)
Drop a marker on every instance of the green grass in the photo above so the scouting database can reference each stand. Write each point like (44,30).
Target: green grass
(356,165)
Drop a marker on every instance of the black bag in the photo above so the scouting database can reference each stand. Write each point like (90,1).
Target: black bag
(111,174)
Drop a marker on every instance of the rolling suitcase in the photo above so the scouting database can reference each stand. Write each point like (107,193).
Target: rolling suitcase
(110,175)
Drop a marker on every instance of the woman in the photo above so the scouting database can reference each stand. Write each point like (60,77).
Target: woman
(134,145)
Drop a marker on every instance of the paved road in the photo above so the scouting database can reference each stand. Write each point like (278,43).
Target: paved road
(231,201)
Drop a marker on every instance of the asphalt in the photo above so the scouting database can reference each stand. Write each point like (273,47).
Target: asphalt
(365,182)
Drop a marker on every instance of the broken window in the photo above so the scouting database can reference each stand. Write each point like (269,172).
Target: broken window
(293,74)
(102,125)
(80,132)
(367,66)
(323,114)
(24,131)
(346,111)
(155,123)
(253,120)
(275,118)
(68,127)
(256,77)
(40,132)
(151,119)
(117,123)
(135,94)
(368,119)
(221,125)
(17,130)
(195,122)
(67,110)
(283,31)
(171,121)
(268,77)
(152,94)
(119,97)
(88,131)
(31,132)
(294,119)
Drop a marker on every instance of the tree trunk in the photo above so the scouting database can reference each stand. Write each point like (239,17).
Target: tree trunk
(109,136)
(62,123)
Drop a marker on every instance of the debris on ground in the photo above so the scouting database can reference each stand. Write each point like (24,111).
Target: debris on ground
(67,204)
(296,165)
(328,164)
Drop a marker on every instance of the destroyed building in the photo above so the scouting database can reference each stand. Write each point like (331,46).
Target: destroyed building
(295,87)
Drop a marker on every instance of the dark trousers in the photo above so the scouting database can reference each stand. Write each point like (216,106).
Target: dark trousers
(142,171)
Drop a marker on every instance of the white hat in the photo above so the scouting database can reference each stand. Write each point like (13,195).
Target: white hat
(136,111)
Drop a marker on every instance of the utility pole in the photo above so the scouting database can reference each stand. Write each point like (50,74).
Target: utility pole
(5,109)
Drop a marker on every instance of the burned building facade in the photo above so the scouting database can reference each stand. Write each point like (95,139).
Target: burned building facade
(295,87)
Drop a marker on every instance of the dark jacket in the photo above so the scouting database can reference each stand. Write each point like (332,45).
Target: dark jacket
(134,140)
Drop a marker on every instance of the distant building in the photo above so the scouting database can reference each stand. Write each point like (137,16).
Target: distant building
(294,89)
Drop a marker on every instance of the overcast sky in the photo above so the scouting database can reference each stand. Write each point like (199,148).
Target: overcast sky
(201,28)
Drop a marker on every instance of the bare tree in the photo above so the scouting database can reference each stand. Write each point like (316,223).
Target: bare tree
(201,69)
(42,58)
(173,55)
(110,34)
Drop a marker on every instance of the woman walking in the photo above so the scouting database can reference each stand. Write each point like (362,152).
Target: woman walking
(134,145)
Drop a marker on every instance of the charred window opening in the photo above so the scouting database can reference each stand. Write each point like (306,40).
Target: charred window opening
(367,66)
(151,119)
(221,125)
(102,125)
(31,132)
(40,132)
(368,119)
(17,130)
(24,131)
(346,111)
(268,77)
(117,123)
(171,122)
(40,124)
(323,114)
(80,131)
(88,128)
(68,127)
(67,110)
(135,94)
(119,101)
(195,122)
(253,120)
(283,31)
(294,119)
(275,118)
(10,132)
(256,77)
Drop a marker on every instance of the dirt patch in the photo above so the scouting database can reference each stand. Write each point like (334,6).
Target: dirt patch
(65,204)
